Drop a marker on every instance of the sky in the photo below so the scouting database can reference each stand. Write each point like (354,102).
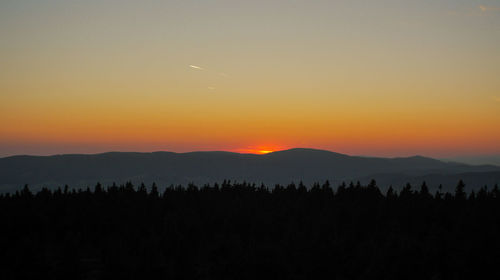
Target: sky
(379,78)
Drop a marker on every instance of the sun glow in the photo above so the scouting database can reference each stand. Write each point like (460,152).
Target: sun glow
(259,150)
(280,84)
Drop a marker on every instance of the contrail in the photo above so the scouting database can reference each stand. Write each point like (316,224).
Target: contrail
(196,67)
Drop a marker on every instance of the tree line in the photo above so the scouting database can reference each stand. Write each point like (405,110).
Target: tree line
(246,231)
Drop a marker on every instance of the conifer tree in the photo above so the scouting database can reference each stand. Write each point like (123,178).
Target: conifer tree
(460,191)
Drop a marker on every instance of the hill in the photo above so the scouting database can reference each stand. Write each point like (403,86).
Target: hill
(165,168)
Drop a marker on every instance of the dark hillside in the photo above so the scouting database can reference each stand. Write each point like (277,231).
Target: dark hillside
(165,168)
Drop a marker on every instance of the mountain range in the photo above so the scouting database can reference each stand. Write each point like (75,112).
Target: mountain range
(283,167)
(489,159)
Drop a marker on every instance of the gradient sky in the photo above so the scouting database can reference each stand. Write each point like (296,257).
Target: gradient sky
(383,78)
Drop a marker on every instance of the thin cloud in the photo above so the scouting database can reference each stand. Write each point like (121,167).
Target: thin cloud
(485,9)
(211,88)
(196,67)
(496,98)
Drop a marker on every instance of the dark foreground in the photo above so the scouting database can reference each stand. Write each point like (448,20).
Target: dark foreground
(239,231)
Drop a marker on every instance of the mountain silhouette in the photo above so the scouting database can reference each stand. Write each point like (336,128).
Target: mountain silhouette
(283,167)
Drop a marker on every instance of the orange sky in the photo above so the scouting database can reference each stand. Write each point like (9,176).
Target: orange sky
(363,79)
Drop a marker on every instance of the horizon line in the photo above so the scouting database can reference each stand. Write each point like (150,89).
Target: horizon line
(215,151)
(445,158)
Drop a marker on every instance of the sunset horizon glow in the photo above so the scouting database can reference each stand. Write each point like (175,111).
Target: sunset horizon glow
(383,78)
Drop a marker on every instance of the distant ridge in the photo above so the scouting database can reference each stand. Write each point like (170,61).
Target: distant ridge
(490,159)
(298,164)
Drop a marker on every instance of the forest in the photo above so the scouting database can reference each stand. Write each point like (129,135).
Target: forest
(239,230)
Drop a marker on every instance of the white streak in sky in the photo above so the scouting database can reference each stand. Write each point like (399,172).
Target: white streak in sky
(196,67)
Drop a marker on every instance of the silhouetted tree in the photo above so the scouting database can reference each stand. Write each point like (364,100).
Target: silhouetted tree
(341,189)
(496,192)
(244,231)
(424,190)
(459,191)
(472,196)
(26,193)
(98,188)
(302,188)
(142,189)
(406,192)
(154,191)
(390,193)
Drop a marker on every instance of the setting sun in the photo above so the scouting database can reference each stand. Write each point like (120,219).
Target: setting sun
(260,150)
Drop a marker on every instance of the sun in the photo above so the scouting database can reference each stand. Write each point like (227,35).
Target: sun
(260,149)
